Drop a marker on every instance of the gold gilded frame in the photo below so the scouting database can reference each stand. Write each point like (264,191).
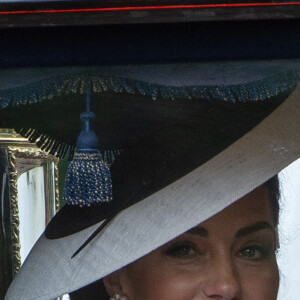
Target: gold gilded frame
(22,157)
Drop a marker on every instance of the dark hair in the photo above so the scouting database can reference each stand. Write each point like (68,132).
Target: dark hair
(97,291)
(274,191)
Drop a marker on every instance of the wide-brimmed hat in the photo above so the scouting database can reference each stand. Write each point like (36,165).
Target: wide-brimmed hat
(164,183)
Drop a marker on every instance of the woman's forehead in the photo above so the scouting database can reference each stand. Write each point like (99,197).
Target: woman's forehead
(251,210)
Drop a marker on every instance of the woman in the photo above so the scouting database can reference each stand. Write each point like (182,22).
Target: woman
(217,259)
(175,229)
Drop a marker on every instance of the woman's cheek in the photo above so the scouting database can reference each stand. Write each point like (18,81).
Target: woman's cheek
(181,286)
(168,282)
(260,284)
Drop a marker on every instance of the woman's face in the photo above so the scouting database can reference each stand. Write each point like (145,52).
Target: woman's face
(229,256)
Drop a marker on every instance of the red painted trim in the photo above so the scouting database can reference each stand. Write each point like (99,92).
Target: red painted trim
(50,11)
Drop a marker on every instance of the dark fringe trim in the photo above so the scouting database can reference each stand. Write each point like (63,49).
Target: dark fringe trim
(60,149)
(46,89)
(47,143)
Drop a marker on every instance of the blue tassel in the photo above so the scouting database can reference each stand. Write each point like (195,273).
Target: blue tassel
(88,179)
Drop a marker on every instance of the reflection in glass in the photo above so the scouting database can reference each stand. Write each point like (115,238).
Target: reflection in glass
(32,208)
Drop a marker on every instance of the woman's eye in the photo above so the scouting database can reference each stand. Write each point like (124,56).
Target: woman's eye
(253,252)
(181,250)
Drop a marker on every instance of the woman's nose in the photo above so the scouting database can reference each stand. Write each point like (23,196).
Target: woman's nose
(223,282)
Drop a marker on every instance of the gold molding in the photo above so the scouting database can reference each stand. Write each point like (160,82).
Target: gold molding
(19,159)
(31,152)
(9,136)
(14,211)
(57,204)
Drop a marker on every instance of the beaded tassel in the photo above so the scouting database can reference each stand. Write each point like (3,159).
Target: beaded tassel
(88,179)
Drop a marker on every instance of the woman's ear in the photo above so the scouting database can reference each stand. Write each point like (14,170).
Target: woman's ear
(115,283)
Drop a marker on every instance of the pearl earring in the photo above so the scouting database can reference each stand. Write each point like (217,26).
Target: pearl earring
(117,297)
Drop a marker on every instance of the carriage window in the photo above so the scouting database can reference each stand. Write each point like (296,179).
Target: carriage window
(29,199)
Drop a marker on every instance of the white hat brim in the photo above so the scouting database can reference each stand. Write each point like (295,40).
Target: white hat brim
(49,271)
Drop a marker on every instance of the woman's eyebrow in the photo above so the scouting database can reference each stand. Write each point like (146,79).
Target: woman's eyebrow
(253,228)
(198,230)
(201,231)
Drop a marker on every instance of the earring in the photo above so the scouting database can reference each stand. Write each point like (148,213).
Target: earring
(117,297)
